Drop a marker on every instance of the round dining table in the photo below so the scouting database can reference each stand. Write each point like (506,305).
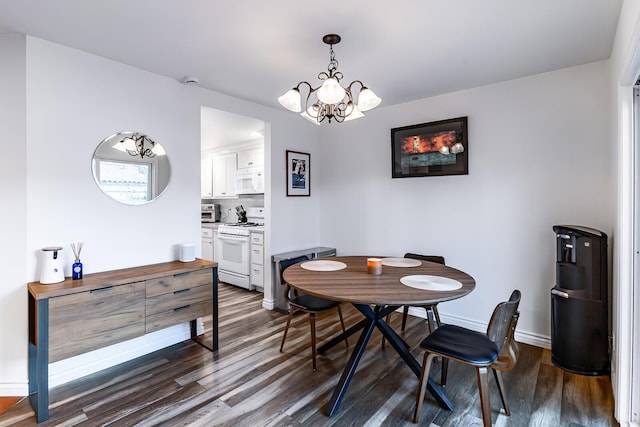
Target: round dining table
(403,282)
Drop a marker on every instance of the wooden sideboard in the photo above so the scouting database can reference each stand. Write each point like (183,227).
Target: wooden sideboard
(77,316)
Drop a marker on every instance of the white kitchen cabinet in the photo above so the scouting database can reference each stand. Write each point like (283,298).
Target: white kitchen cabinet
(206,178)
(253,158)
(207,244)
(224,171)
(257,260)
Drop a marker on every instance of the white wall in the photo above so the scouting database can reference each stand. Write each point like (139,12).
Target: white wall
(13,227)
(73,101)
(539,155)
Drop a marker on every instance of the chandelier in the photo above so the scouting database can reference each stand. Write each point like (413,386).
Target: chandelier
(137,144)
(330,100)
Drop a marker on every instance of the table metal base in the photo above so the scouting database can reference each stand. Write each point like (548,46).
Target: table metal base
(374,318)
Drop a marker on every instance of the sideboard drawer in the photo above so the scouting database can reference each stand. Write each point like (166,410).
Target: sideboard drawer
(179,298)
(94,319)
(170,284)
(177,315)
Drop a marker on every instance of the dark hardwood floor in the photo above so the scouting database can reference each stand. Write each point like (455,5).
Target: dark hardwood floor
(248,382)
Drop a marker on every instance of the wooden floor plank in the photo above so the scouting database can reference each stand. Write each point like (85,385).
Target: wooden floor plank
(249,382)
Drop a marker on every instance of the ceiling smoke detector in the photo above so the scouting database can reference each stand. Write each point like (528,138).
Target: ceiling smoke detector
(191,81)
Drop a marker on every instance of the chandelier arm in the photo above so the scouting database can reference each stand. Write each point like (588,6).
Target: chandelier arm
(353,82)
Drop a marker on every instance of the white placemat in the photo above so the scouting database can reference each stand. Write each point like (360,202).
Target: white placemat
(401,262)
(431,283)
(323,265)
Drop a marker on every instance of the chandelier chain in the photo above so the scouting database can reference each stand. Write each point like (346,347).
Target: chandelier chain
(332,68)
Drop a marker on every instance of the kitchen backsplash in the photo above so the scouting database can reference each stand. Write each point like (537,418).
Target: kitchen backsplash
(227,206)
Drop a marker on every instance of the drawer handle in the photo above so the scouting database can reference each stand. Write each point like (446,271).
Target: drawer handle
(183,308)
(181,274)
(97,291)
(182,291)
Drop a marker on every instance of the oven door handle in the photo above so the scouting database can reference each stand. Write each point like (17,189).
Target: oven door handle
(237,239)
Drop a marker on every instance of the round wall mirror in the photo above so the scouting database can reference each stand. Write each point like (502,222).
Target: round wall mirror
(131,168)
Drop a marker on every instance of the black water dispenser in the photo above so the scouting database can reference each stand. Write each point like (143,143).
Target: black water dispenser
(580,319)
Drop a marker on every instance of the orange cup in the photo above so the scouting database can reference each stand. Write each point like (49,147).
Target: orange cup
(374,266)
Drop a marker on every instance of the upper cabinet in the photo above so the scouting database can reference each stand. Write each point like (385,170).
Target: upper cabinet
(219,178)
(224,171)
(253,158)
(206,178)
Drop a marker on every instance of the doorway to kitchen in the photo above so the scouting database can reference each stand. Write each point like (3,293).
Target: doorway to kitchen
(233,181)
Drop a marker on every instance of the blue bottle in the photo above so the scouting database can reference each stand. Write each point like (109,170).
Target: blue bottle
(76,270)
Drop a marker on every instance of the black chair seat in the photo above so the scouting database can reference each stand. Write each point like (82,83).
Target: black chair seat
(308,302)
(462,344)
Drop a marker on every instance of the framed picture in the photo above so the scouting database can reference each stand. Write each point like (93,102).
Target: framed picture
(430,149)
(298,174)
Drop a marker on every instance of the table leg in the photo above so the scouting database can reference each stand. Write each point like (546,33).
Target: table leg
(340,338)
(214,318)
(349,370)
(402,349)
(374,318)
(39,357)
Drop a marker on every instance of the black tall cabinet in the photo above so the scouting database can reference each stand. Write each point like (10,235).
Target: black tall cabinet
(580,307)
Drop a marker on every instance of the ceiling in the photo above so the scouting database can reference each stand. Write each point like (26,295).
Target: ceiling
(257,49)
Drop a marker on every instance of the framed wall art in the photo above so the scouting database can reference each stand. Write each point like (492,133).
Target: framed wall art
(430,149)
(298,174)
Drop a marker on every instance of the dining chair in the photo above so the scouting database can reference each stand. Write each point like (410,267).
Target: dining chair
(299,301)
(476,349)
(431,309)
(433,317)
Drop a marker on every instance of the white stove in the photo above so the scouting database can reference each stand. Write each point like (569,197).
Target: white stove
(233,247)
(240,228)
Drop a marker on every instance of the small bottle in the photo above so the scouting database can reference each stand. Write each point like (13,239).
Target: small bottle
(76,270)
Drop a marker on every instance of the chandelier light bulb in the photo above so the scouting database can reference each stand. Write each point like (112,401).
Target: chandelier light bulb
(310,115)
(355,113)
(129,144)
(158,150)
(367,99)
(291,100)
(331,92)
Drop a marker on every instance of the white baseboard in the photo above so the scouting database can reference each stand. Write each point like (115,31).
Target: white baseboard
(14,389)
(521,336)
(268,304)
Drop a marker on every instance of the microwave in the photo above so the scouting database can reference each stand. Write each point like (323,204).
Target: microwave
(249,182)
(210,213)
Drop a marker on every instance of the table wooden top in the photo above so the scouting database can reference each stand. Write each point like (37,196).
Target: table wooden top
(104,279)
(353,284)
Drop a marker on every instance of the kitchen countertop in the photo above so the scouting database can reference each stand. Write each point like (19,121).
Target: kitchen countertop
(215,225)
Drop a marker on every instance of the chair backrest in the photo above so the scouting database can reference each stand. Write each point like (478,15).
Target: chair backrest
(502,320)
(432,258)
(285,263)
(510,350)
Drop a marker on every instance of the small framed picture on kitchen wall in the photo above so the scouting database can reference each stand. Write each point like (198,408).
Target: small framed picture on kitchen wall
(298,174)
